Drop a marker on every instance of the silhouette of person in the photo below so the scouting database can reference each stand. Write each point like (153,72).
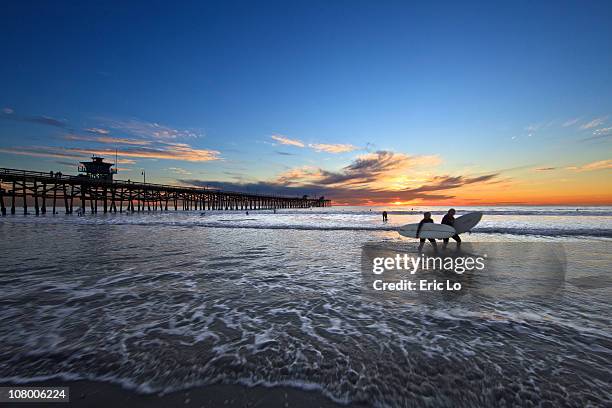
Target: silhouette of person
(449,219)
(426,220)
(385,217)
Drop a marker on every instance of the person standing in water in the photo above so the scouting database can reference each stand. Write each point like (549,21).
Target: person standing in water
(385,217)
(449,219)
(426,220)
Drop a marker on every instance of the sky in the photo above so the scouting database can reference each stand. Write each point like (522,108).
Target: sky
(365,103)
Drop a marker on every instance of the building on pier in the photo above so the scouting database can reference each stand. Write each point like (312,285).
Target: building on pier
(97,169)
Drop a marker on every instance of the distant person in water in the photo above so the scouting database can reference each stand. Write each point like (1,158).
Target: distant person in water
(426,220)
(247,213)
(449,219)
(385,217)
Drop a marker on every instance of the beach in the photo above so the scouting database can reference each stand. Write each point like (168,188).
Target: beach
(271,309)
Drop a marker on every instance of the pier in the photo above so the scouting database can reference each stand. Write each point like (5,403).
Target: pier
(89,192)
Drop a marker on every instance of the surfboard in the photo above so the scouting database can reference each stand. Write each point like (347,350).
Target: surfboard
(429,230)
(467,221)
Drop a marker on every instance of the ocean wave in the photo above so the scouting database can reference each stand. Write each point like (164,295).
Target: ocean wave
(346,225)
(564,212)
(577,232)
(588,232)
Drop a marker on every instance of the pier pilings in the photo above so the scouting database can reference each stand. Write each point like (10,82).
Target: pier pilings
(37,188)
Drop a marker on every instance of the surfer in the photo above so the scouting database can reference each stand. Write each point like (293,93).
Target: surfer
(385,217)
(426,219)
(449,219)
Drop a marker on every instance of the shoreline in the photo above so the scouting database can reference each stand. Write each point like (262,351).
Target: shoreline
(98,394)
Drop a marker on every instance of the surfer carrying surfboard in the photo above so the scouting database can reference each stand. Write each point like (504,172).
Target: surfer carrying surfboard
(449,219)
(426,220)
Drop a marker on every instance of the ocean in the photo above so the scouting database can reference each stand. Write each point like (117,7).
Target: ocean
(167,301)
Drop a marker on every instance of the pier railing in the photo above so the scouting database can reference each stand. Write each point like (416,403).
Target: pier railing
(41,187)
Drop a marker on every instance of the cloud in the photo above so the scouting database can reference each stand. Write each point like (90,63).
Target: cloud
(98,131)
(135,127)
(603,131)
(333,148)
(56,152)
(9,114)
(570,122)
(284,153)
(594,123)
(299,175)
(364,170)
(545,168)
(286,141)
(438,183)
(174,151)
(108,140)
(148,130)
(41,152)
(533,128)
(382,169)
(46,120)
(170,152)
(597,165)
(179,170)
(147,141)
(378,177)
(319,147)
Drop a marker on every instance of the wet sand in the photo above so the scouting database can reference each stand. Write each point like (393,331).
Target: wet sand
(93,394)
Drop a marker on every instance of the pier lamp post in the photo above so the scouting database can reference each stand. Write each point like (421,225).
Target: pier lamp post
(144,177)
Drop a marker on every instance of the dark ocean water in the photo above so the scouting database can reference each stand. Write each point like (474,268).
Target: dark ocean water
(165,302)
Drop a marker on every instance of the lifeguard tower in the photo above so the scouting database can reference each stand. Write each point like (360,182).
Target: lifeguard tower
(97,169)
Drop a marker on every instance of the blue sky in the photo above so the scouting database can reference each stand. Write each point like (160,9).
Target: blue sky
(452,89)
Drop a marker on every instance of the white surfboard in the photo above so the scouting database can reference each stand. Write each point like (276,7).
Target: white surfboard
(467,221)
(429,230)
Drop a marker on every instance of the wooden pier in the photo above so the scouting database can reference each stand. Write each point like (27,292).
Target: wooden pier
(52,191)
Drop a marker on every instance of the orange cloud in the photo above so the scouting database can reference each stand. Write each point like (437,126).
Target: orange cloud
(299,175)
(172,152)
(597,165)
(286,141)
(333,148)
